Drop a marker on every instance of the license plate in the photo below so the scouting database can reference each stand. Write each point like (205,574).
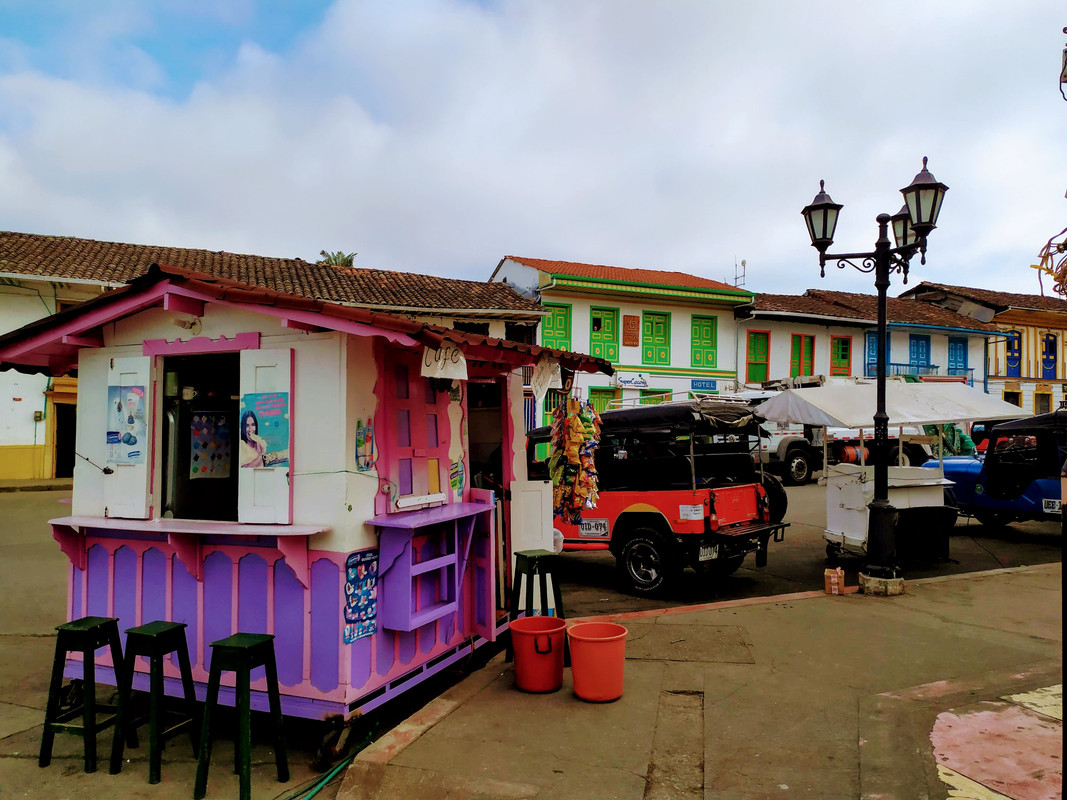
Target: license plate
(1050,505)
(707,552)
(594,529)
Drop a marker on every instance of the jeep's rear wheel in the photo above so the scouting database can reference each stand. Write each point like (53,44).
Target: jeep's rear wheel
(797,466)
(646,562)
(777,499)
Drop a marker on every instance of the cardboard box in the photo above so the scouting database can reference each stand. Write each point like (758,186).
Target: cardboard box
(835,581)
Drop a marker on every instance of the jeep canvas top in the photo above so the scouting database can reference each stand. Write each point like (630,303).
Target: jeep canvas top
(678,486)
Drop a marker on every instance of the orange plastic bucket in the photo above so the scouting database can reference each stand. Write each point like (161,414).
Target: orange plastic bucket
(538,645)
(598,659)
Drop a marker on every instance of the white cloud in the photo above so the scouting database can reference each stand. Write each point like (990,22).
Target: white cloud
(438,136)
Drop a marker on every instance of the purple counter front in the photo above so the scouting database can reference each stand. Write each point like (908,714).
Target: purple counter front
(221,577)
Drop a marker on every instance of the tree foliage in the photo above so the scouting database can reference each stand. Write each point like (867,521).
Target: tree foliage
(338,259)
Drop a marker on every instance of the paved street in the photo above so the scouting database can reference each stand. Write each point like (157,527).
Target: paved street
(797,564)
(33,574)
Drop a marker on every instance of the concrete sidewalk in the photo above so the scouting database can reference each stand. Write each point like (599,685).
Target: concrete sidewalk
(799,695)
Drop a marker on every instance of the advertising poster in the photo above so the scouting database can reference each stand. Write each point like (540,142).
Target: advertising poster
(361,595)
(126,433)
(210,453)
(265,429)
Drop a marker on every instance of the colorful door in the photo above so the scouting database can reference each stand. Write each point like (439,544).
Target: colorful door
(1049,346)
(600,396)
(957,356)
(802,358)
(919,350)
(604,335)
(758,356)
(1014,348)
(655,339)
(556,327)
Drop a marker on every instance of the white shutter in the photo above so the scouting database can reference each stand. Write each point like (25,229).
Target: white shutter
(129,433)
(531,516)
(265,492)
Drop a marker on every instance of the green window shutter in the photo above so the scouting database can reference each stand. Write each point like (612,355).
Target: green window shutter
(655,338)
(556,327)
(794,356)
(604,333)
(703,338)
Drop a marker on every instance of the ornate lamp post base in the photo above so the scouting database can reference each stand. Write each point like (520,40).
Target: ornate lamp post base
(881,587)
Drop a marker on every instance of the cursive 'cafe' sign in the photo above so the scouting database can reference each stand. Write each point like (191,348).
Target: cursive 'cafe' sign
(446,361)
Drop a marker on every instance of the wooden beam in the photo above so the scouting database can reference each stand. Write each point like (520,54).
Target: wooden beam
(183,305)
(84,340)
(297,325)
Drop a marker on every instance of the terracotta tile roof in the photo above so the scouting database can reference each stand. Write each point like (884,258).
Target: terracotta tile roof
(72,258)
(849,305)
(999,300)
(600,272)
(40,346)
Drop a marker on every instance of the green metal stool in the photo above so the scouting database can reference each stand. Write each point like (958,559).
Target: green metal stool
(86,635)
(241,653)
(533,564)
(155,640)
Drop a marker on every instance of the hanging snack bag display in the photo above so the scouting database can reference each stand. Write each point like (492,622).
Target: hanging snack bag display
(575,436)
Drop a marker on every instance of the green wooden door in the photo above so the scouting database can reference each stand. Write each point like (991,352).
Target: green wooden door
(656,338)
(556,327)
(604,333)
(757,358)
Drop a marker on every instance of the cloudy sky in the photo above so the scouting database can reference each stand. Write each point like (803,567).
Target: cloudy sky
(437,136)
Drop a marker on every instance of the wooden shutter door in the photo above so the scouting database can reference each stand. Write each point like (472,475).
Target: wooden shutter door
(129,433)
(265,493)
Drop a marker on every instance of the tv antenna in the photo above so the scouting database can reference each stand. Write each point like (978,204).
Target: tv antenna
(739,272)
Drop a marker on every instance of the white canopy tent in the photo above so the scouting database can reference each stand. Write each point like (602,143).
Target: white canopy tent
(852,405)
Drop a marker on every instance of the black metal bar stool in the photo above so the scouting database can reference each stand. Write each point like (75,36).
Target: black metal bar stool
(155,640)
(241,653)
(534,565)
(86,635)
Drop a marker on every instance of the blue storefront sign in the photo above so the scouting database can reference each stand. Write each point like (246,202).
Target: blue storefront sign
(702,385)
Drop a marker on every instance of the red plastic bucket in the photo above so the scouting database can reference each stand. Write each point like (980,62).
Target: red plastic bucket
(538,646)
(598,658)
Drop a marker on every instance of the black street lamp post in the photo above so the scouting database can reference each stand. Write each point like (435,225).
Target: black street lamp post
(911,225)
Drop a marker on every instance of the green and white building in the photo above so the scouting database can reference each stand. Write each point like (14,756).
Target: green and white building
(664,332)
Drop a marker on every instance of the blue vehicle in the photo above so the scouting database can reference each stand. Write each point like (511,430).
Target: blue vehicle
(1018,475)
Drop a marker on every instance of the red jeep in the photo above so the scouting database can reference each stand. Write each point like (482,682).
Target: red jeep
(678,487)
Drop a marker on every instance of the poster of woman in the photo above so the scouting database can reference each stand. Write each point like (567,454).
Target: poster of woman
(265,429)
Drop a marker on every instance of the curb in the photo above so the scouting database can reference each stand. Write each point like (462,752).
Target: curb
(33,486)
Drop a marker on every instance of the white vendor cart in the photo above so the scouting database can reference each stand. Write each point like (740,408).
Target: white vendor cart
(917,492)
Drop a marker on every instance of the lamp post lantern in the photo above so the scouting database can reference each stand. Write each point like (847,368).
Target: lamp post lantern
(911,226)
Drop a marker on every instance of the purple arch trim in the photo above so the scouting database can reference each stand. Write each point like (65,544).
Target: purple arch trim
(125,590)
(96,579)
(325,624)
(153,585)
(359,656)
(252,599)
(288,624)
(77,587)
(218,598)
(184,606)
(386,650)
